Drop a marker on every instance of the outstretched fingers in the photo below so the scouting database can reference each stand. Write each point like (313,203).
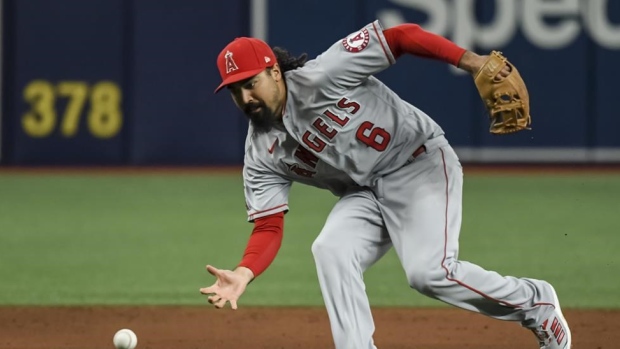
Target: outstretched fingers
(209,290)
(213,271)
(220,303)
(215,287)
(217,300)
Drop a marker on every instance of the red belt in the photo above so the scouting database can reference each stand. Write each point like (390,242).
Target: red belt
(419,151)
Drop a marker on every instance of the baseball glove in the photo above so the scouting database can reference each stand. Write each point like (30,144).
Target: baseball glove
(505,98)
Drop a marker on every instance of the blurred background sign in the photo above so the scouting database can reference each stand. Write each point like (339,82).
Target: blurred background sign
(63,81)
(131,81)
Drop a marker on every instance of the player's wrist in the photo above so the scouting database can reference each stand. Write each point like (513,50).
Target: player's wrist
(470,62)
(245,273)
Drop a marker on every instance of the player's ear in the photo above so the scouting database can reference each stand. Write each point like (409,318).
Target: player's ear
(276,72)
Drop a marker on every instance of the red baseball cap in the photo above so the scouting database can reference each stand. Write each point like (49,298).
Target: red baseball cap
(243,58)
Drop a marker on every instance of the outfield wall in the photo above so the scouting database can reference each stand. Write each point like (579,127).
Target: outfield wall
(115,82)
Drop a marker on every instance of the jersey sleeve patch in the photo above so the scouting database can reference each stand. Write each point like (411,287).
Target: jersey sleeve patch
(357,41)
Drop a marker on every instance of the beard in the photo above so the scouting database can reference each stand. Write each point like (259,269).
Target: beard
(262,120)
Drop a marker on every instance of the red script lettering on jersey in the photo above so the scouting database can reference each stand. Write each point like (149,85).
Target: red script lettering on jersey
(300,171)
(313,141)
(306,156)
(375,137)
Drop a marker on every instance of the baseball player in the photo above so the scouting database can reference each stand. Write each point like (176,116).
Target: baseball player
(329,123)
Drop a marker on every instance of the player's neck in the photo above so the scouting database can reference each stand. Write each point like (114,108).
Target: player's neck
(282,106)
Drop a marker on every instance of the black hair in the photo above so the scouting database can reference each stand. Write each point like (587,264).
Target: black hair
(287,61)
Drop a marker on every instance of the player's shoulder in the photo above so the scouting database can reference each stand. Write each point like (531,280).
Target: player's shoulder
(259,162)
(253,140)
(260,145)
(324,71)
(253,158)
(313,74)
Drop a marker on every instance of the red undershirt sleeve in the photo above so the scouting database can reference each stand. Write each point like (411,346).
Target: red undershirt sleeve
(264,243)
(412,39)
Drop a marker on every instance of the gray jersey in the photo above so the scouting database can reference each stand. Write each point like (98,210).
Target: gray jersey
(343,127)
(272,162)
(347,117)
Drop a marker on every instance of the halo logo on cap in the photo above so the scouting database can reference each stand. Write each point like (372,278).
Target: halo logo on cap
(230,62)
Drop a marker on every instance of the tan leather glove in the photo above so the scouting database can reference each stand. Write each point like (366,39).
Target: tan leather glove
(505,98)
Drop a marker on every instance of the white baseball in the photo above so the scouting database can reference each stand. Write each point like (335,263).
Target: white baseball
(125,339)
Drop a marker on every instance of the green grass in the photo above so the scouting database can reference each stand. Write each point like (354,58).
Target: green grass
(145,239)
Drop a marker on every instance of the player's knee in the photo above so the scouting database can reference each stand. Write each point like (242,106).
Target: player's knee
(426,281)
(420,280)
(325,249)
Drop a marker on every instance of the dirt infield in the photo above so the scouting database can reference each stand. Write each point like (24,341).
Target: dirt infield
(279,328)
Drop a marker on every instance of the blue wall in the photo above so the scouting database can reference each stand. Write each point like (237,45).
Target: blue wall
(64,60)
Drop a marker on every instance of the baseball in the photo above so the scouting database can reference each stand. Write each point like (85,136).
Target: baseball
(125,339)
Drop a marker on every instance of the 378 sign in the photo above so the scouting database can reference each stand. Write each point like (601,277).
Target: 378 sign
(99,105)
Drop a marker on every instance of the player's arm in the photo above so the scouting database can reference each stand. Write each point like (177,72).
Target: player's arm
(350,61)
(266,195)
(263,245)
(260,251)
(412,39)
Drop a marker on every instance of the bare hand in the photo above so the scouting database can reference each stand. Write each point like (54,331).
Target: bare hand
(228,287)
